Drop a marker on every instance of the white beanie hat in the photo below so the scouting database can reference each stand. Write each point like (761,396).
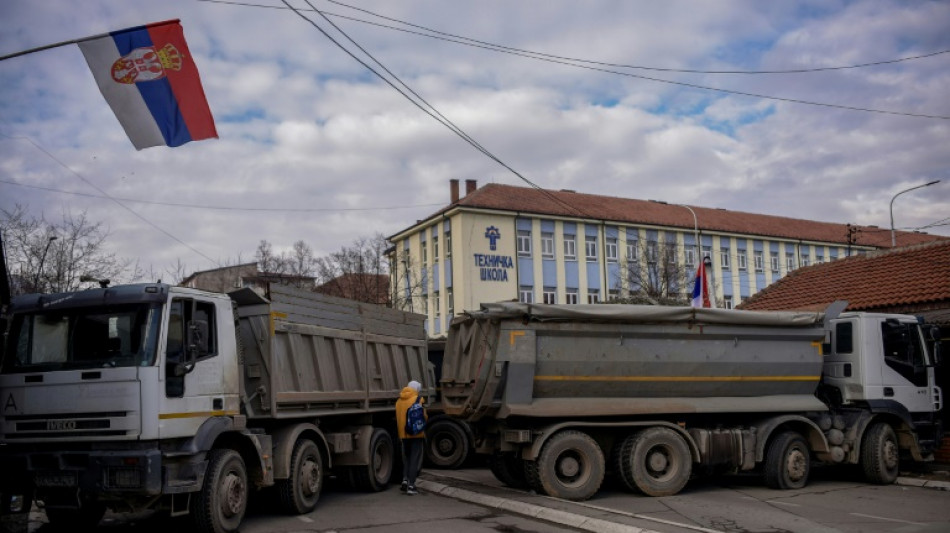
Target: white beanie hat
(415,385)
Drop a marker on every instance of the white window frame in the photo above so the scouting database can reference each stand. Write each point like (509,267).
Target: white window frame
(742,260)
(570,247)
(759,258)
(789,261)
(570,297)
(590,248)
(438,303)
(724,258)
(611,250)
(727,302)
(632,255)
(425,252)
(524,243)
(526,295)
(450,302)
(550,296)
(690,254)
(593,296)
(448,244)
(435,248)
(773,261)
(547,245)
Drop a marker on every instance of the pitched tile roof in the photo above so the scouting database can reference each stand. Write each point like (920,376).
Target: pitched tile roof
(902,277)
(632,211)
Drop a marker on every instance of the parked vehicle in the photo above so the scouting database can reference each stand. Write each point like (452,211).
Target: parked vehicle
(560,396)
(448,439)
(152,396)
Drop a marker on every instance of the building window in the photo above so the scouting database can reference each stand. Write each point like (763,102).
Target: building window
(547,245)
(727,302)
(590,248)
(450,302)
(571,297)
(632,255)
(437,303)
(524,243)
(435,248)
(448,244)
(613,295)
(724,258)
(790,261)
(805,261)
(611,250)
(425,305)
(425,253)
(690,257)
(550,296)
(651,252)
(526,295)
(819,259)
(593,296)
(570,247)
(759,262)
(773,261)
(741,259)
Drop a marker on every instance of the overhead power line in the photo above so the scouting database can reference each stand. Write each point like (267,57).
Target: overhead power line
(222,207)
(599,66)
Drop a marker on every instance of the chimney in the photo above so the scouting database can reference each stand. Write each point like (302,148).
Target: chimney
(454,190)
(470,186)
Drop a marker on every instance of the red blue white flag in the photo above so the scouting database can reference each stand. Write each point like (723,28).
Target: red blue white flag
(701,288)
(149,78)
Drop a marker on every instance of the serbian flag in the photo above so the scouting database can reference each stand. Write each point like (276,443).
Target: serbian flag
(701,288)
(149,78)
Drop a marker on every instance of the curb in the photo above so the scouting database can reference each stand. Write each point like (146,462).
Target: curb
(564,518)
(925,483)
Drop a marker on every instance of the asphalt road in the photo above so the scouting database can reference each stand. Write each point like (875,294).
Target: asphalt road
(472,501)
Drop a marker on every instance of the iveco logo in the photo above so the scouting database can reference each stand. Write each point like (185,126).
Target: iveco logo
(60,425)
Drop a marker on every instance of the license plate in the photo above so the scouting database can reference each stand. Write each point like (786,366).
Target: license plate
(56,479)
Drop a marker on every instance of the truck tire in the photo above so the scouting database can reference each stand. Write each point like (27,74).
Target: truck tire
(656,462)
(508,469)
(787,462)
(222,501)
(375,476)
(570,466)
(447,444)
(880,454)
(299,493)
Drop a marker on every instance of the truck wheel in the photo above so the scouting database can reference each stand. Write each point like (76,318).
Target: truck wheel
(880,457)
(787,462)
(446,444)
(375,476)
(222,501)
(299,493)
(508,469)
(570,466)
(656,462)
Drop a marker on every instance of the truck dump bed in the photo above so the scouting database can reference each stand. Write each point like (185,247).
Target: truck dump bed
(306,355)
(513,359)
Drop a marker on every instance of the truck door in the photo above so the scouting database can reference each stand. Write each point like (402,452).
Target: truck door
(193,377)
(907,378)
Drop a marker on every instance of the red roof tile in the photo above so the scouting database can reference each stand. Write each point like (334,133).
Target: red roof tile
(907,277)
(631,211)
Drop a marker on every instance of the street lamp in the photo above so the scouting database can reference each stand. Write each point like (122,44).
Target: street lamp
(893,238)
(36,279)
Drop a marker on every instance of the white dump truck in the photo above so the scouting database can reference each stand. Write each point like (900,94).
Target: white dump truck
(560,396)
(152,396)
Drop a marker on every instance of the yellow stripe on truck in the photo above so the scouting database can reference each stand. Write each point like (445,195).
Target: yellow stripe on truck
(676,378)
(201,414)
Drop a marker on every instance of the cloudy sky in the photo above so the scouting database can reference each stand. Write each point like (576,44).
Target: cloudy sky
(629,98)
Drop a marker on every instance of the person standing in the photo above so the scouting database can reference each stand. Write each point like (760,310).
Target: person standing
(412,445)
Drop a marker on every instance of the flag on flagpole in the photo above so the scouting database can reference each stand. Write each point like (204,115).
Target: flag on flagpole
(701,288)
(149,78)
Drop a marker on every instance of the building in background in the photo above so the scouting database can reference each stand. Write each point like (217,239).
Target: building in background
(229,278)
(502,243)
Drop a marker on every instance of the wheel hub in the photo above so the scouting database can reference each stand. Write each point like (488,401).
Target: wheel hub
(569,467)
(658,461)
(795,465)
(233,495)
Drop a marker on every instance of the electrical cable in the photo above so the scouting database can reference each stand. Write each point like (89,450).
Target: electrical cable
(573,63)
(107,195)
(222,208)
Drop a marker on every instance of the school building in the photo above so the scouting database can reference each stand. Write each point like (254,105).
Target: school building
(503,243)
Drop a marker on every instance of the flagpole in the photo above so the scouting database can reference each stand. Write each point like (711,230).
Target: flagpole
(83,39)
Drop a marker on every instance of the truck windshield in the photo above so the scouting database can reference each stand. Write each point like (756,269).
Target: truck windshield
(93,337)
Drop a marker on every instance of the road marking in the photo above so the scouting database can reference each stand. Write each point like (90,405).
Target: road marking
(888,519)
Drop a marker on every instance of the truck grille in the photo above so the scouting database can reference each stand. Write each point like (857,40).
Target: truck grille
(64,426)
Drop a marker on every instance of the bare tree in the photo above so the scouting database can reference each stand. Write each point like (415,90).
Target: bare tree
(408,280)
(52,257)
(267,261)
(654,275)
(359,272)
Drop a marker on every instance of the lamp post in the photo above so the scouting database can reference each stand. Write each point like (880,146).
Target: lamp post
(36,279)
(893,237)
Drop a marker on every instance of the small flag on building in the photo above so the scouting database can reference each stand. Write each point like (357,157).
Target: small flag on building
(701,288)
(148,77)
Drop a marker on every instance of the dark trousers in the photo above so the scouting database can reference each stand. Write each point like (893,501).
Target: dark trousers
(412,459)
